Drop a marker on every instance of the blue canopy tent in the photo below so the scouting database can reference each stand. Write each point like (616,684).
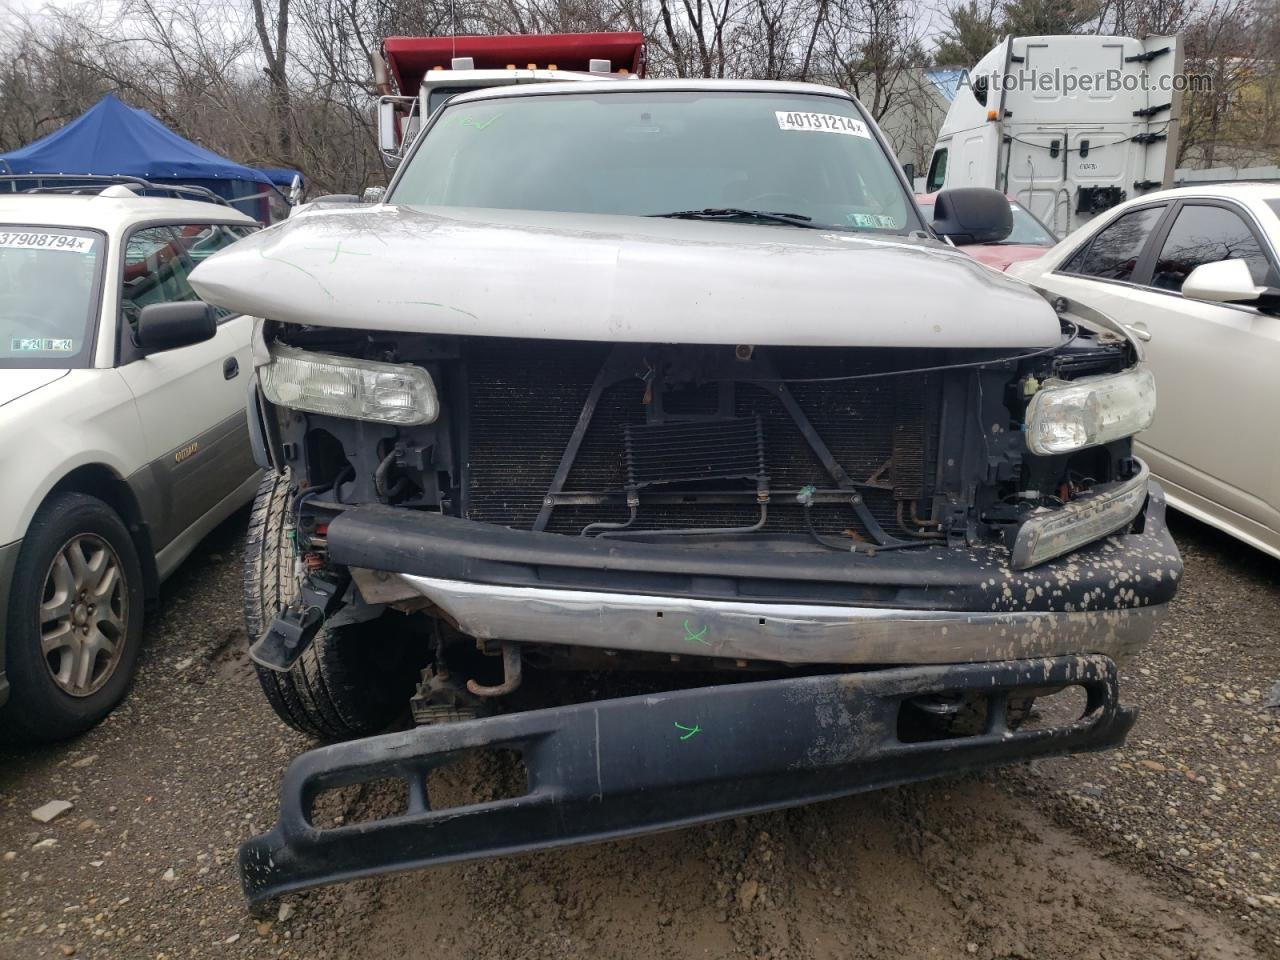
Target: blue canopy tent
(113,139)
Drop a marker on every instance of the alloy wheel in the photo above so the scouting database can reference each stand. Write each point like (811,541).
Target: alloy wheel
(84,615)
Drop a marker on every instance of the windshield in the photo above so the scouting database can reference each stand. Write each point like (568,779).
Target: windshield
(651,153)
(1027,230)
(48,295)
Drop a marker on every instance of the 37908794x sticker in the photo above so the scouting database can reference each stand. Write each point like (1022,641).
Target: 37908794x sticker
(39,240)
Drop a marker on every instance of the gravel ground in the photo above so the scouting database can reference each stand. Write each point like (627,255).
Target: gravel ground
(1195,793)
(1167,848)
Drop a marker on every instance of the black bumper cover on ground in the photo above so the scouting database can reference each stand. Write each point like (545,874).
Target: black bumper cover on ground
(613,768)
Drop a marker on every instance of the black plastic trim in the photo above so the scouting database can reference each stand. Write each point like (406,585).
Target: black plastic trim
(760,568)
(616,768)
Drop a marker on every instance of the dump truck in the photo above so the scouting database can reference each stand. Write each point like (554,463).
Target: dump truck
(415,75)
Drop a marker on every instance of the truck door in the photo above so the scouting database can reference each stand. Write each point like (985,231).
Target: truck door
(1036,174)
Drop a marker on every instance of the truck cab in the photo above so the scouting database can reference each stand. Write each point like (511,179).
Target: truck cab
(1069,126)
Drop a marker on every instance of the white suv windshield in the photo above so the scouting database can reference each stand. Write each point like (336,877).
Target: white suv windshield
(647,153)
(48,295)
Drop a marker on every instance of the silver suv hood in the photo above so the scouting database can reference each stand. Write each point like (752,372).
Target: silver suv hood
(596,277)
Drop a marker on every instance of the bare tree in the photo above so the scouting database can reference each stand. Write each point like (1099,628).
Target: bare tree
(869,47)
(271,23)
(288,82)
(1233,118)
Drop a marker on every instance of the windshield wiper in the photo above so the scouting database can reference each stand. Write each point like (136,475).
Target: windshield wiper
(737,213)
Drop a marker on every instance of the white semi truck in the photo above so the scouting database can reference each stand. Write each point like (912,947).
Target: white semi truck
(1068,125)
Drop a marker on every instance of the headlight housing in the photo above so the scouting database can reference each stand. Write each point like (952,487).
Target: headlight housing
(345,387)
(1067,415)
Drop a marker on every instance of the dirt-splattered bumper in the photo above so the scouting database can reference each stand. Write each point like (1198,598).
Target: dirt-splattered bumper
(768,600)
(614,768)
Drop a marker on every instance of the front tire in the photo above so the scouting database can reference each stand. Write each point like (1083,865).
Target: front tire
(351,681)
(74,623)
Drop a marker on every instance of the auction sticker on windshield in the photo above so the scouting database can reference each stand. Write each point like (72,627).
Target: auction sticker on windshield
(821,123)
(45,241)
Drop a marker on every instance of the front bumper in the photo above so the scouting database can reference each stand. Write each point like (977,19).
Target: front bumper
(766,600)
(614,768)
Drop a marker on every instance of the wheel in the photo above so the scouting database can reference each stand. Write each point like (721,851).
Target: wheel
(74,623)
(351,681)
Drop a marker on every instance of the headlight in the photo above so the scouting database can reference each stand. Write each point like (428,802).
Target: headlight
(343,387)
(1069,415)
(1099,512)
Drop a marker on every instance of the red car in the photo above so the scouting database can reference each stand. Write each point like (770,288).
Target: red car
(1030,238)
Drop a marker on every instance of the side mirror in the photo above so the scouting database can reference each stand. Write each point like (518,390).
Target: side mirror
(296,190)
(1227,281)
(909,169)
(388,132)
(167,326)
(968,215)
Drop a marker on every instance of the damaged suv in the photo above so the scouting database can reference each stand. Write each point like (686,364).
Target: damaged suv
(669,383)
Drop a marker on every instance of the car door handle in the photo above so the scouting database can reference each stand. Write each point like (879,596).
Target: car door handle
(230,368)
(1139,330)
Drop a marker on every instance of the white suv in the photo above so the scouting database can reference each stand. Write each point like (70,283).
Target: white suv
(122,435)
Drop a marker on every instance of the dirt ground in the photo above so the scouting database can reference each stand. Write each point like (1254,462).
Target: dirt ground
(1168,848)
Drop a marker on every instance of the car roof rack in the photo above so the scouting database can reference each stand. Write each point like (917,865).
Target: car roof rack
(85,184)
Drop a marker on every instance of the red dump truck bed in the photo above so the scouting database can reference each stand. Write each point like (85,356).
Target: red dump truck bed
(410,58)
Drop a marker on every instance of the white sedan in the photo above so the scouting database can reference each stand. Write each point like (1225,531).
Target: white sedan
(123,438)
(1194,274)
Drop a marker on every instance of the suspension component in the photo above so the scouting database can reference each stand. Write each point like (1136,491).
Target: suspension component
(511,674)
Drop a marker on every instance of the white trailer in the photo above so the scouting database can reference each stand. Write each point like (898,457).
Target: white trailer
(1069,125)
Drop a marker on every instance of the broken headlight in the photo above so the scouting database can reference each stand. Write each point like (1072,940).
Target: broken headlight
(1069,415)
(345,387)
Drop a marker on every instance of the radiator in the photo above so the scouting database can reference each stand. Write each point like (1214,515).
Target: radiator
(524,399)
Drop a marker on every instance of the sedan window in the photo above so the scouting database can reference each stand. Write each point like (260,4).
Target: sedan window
(158,260)
(1114,252)
(1208,234)
(155,271)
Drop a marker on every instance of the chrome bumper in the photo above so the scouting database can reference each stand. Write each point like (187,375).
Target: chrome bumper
(788,633)
(768,602)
